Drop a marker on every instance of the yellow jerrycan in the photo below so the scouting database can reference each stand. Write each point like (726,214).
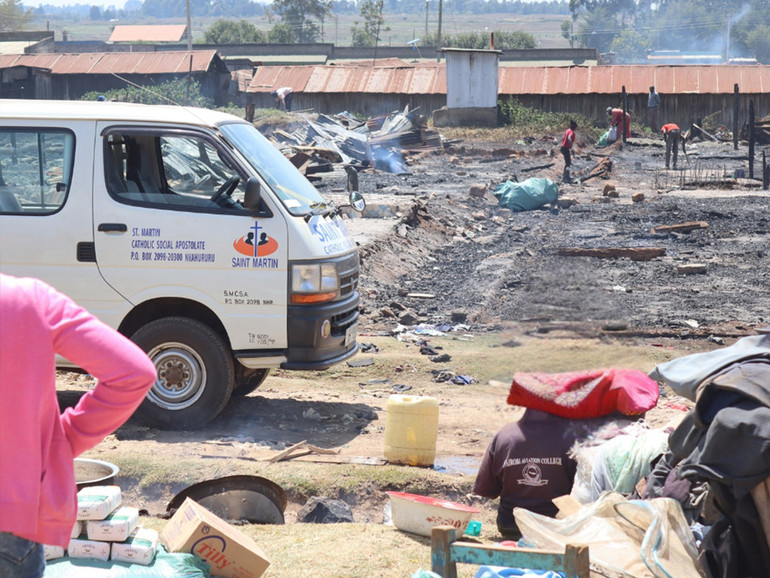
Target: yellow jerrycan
(411,429)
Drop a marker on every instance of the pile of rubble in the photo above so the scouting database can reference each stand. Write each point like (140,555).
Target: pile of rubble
(381,142)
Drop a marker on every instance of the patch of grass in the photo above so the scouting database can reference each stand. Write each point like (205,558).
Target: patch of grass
(148,471)
(524,120)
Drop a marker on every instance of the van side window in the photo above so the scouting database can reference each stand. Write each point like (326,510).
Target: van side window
(171,171)
(35,170)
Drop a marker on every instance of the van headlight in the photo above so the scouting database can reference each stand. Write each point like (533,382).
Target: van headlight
(314,283)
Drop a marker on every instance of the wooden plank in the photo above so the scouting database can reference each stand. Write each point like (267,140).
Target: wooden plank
(510,557)
(680,227)
(287,451)
(359,460)
(633,253)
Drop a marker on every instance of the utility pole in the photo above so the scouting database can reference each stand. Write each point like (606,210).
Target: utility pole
(427,3)
(189,29)
(440,7)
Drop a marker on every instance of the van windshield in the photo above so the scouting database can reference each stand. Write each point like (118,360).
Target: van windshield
(291,186)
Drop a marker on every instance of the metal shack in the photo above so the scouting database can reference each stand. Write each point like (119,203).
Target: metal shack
(471,96)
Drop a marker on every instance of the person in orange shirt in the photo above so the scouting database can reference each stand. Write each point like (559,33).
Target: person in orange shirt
(672,136)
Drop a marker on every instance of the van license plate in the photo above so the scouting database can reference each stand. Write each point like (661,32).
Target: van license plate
(350,334)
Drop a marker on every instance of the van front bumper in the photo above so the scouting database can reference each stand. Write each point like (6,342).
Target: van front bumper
(308,348)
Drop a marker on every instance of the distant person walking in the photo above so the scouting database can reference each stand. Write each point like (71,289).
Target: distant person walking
(38,494)
(672,135)
(653,105)
(566,147)
(283,97)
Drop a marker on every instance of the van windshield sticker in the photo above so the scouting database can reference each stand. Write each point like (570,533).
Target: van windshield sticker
(257,246)
(148,244)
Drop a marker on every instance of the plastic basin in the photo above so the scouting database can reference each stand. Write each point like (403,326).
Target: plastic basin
(419,514)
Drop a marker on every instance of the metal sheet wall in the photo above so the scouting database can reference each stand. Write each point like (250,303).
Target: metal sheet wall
(471,79)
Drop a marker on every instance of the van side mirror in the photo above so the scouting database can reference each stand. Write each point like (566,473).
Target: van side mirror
(253,194)
(357,201)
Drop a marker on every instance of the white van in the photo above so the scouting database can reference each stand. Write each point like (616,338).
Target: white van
(187,231)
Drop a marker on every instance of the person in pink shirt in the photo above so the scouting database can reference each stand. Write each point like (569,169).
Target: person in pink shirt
(38,444)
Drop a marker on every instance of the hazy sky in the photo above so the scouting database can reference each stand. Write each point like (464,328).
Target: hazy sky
(118,4)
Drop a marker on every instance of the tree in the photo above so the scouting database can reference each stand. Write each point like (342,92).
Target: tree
(758,41)
(303,16)
(232,32)
(95,13)
(598,29)
(368,33)
(281,33)
(631,47)
(13,16)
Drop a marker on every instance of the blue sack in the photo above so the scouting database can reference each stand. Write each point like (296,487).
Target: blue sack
(526,196)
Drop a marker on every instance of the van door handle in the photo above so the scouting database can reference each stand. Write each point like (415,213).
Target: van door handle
(112,227)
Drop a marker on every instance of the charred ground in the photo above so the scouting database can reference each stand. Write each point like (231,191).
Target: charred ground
(491,266)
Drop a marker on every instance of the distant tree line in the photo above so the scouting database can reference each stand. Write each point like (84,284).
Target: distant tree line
(732,28)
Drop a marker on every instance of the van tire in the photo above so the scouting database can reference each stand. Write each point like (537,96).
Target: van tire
(249,380)
(195,373)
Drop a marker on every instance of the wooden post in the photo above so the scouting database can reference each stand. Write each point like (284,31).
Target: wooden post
(625,107)
(765,172)
(441,561)
(576,562)
(751,139)
(735,116)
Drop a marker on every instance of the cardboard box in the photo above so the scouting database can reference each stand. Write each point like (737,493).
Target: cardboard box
(140,547)
(77,529)
(82,548)
(114,528)
(53,552)
(230,553)
(98,502)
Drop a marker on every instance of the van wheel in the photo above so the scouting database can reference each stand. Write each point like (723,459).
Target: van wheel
(248,380)
(195,373)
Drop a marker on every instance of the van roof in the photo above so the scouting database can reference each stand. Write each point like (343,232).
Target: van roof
(110,111)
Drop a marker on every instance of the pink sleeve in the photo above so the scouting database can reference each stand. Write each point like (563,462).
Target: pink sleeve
(123,370)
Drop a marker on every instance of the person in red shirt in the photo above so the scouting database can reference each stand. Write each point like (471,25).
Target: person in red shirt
(566,146)
(672,136)
(616,119)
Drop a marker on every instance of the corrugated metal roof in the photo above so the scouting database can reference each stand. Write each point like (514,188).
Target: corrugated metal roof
(420,79)
(116,62)
(242,78)
(159,33)
(637,79)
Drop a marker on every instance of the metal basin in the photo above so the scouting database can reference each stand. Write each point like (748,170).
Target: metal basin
(237,498)
(94,473)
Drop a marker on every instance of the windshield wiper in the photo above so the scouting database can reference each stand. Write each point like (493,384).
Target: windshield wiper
(320,209)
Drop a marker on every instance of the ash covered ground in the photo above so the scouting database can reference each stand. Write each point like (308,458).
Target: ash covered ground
(493,266)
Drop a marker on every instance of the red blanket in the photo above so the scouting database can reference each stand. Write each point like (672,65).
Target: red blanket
(585,394)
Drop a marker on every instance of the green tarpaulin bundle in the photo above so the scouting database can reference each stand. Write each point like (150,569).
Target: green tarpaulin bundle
(526,196)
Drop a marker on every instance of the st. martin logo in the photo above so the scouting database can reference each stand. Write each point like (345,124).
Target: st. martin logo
(256,243)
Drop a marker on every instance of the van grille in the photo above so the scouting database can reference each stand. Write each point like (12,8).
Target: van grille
(347,270)
(341,323)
